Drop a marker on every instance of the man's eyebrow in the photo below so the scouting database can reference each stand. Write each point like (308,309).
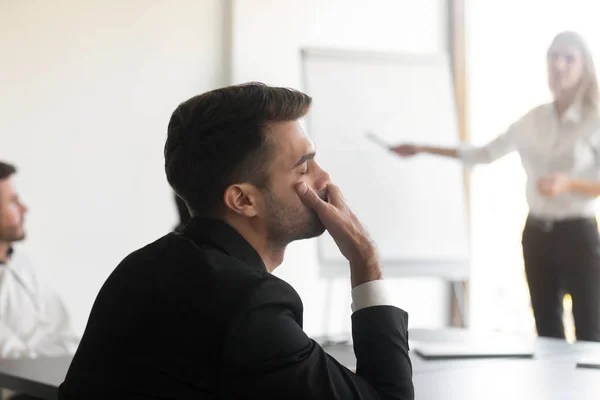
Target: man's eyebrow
(305,158)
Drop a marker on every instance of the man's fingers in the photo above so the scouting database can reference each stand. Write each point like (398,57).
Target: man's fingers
(334,196)
(310,197)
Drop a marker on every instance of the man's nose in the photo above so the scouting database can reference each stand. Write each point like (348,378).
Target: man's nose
(322,180)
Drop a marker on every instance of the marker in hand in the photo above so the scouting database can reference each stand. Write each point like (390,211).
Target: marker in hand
(374,138)
(403,150)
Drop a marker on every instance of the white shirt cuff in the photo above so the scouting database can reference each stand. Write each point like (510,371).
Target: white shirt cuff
(370,294)
(468,155)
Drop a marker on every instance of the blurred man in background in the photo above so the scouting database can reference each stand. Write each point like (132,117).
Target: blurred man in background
(33,319)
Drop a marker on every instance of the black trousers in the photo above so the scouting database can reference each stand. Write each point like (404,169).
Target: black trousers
(563,257)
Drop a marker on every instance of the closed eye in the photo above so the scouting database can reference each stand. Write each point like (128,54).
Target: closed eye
(304,159)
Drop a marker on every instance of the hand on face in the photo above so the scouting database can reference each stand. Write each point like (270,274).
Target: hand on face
(553,185)
(342,224)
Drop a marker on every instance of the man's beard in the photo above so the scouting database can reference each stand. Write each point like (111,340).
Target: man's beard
(287,223)
(12,234)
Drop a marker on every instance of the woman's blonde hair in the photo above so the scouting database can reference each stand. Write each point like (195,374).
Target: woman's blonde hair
(589,81)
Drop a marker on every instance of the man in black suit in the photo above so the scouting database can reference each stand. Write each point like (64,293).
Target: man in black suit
(198,314)
(183,213)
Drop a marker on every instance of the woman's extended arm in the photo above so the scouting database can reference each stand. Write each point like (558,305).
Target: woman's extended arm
(500,146)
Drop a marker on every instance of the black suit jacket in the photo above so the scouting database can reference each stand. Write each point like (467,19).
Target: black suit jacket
(196,315)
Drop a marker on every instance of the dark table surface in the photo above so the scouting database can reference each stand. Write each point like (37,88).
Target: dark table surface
(38,376)
(550,375)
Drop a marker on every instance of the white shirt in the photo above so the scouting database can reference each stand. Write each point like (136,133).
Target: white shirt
(33,319)
(548,145)
(370,294)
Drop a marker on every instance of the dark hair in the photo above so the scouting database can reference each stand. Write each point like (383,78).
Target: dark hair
(220,138)
(6,170)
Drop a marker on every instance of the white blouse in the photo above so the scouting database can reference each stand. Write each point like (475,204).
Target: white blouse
(33,319)
(547,145)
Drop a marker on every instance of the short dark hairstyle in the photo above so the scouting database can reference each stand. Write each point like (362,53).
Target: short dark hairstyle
(6,170)
(220,138)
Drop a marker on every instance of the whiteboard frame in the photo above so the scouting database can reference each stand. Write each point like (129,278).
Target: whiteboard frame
(368,55)
(456,269)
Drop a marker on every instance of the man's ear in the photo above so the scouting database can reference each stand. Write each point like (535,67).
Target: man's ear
(241,199)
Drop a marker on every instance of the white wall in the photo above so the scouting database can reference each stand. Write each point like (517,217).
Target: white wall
(267,39)
(87,88)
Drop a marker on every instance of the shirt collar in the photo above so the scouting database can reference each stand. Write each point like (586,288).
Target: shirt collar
(219,233)
(8,255)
